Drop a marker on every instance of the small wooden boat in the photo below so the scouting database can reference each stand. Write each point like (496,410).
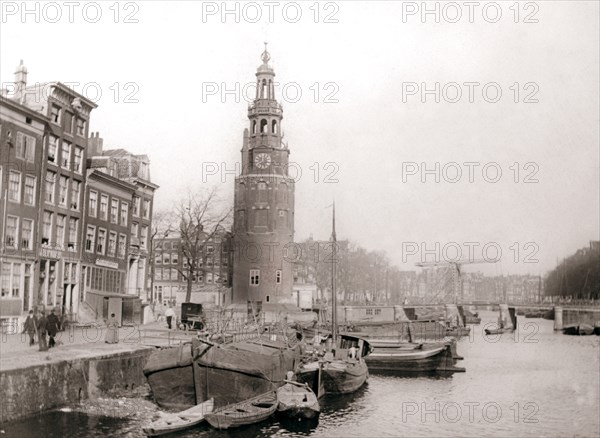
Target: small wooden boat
(429,358)
(469,317)
(251,411)
(297,400)
(505,329)
(180,421)
(579,330)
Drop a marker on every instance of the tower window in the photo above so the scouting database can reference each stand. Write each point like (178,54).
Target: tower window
(254,127)
(254,277)
(278,276)
(263,89)
(274,127)
(268,298)
(263,126)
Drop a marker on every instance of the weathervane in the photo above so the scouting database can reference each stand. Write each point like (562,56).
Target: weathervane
(265,56)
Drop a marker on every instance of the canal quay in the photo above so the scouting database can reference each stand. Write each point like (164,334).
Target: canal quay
(533,382)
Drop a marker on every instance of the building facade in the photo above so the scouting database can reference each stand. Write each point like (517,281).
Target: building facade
(263,202)
(60,169)
(135,169)
(22,133)
(107,224)
(62,235)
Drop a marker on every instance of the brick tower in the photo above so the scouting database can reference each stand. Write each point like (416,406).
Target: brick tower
(263,202)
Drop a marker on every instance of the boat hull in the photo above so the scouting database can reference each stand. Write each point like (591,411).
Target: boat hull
(181,377)
(180,421)
(431,359)
(345,379)
(337,376)
(306,412)
(170,375)
(297,401)
(498,331)
(245,413)
(579,330)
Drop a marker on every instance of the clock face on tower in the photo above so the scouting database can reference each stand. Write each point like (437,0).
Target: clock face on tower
(262,160)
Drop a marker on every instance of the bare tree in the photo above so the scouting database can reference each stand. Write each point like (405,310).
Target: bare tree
(199,218)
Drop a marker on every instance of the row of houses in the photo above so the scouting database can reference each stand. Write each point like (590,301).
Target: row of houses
(75,218)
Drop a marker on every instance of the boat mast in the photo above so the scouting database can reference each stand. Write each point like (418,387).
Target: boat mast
(333,272)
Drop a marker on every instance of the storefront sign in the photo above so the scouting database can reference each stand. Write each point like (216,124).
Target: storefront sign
(47,253)
(107,264)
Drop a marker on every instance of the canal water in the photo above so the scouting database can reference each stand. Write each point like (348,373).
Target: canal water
(532,383)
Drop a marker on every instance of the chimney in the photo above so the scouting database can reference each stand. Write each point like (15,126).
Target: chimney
(20,82)
(95,145)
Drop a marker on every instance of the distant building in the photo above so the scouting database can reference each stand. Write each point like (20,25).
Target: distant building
(211,281)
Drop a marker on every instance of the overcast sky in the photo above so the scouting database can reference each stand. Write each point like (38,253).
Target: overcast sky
(376,134)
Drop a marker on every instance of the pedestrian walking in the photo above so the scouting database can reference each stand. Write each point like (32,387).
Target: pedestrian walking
(169,314)
(112,330)
(53,323)
(30,327)
(42,328)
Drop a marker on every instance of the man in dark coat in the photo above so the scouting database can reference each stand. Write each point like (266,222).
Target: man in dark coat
(30,327)
(53,323)
(42,329)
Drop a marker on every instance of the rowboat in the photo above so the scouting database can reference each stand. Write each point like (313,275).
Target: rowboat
(251,411)
(180,421)
(297,400)
(503,327)
(579,330)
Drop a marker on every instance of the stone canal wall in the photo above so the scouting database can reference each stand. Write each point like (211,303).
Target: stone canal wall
(580,316)
(29,390)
